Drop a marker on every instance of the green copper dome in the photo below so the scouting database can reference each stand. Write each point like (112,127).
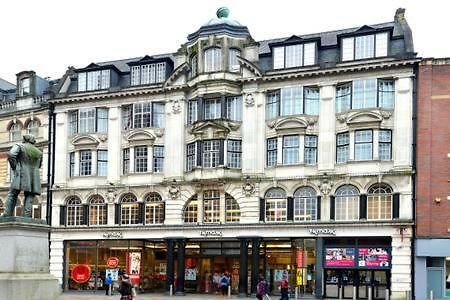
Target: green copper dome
(222,18)
(223,12)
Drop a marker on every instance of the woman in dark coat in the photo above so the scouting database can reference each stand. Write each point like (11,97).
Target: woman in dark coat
(125,288)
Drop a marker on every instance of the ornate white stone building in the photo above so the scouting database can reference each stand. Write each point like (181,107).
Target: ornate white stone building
(290,156)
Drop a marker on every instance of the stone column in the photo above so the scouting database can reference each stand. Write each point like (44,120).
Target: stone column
(255,263)
(327,135)
(401,263)
(243,267)
(180,269)
(170,263)
(114,145)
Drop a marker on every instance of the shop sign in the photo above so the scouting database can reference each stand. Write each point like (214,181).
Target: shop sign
(112,235)
(373,257)
(114,274)
(322,231)
(112,262)
(340,257)
(214,233)
(81,273)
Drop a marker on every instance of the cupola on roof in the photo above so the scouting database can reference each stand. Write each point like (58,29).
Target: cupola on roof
(222,18)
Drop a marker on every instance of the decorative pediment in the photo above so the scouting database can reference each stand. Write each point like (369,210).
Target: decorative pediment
(292,124)
(213,128)
(84,140)
(180,70)
(137,136)
(249,66)
(364,28)
(294,38)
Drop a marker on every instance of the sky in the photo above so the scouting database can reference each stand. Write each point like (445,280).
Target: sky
(48,36)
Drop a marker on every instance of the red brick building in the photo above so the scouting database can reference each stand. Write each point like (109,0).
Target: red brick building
(432,260)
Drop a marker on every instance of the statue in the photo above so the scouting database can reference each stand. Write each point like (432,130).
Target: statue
(25,161)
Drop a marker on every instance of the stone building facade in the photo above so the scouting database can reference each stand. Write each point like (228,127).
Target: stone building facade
(290,156)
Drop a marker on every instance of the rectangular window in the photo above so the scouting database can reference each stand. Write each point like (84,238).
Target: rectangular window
(160,72)
(290,149)
(87,120)
(309,54)
(212,109)
(73,122)
(126,161)
(291,101)
(364,93)
(127,117)
(135,75)
(102,163)
(343,97)
(213,59)
(342,147)
(385,145)
(278,57)
(148,74)
(310,149)
(381,42)
(158,114)
(140,159)
(85,162)
(211,207)
(24,87)
(94,80)
(102,120)
(273,104)
(211,153)
(294,56)
(386,93)
(272,148)
(158,159)
(72,164)
(234,153)
(81,82)
(365,46)
(234,108)
(191,158)
(311,99)
(142,115)
(363,145)
(194,66)
(192,111)
(233,64)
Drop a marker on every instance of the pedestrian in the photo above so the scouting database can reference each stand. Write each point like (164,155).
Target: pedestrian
(284,287)
(216,282)
(261,288)
(108,284)
(125,288)
(224,282)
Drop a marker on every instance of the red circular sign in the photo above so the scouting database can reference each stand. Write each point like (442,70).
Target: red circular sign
(112,262)
(81,273)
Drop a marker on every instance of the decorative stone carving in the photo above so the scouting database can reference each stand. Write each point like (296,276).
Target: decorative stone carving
(111,195)
(325,186)
(386,114)
(249,100)
(174,190)
(342,118)
(103,138)
(159,132)
(248,188)
(176,107)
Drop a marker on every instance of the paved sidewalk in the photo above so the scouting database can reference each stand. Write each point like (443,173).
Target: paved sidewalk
(101,296)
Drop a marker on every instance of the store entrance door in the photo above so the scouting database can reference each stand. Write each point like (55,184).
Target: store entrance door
(377,280)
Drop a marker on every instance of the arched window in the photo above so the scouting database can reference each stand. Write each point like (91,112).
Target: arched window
(276,205)
(233,64)
(213,59)
(347,203)
(232,210)
(74,211)
(154,209)
(98,211)
(193,65)
(211,206)
(33,128)
(305,204)
(190,210)
(15,132)
(129,210)
(379,202)
(2,207)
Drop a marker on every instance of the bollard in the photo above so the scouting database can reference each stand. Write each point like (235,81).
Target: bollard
(431,295)
(296,293)
(354,292)
(388,296)
(171,290)
(370,293)
(340,292)
(229,291)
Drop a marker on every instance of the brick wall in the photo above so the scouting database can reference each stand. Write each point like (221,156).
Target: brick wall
(433,148)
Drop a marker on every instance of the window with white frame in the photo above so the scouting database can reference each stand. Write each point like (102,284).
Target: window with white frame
(233,107)
(311,100)
(74,211)
(211,153)
(129,210)
(292,56)
(94,80)
(305,204)
(190,213)
(143,115)
(24,87)
(15,132)
(363,144)
(158,159)
(379,202)
(126,161)
(148,74)
(85,162)
(292,100)
(192,111)
(88,120)
(310,149)
(365,46)
(291,147)
(234,153)
(343,97)
(211,206)
(213,59)
(102,162)
(385,144)
(154,209)
(272,149)
(386,93)
(233,64)
(72,164)
(342,147)
(273,104)
(364,93)
(98,211)
(194,62)
(140,159)
(33,128)
(232,210)
(212,109)
(347,203)
(191,161)
(276,205)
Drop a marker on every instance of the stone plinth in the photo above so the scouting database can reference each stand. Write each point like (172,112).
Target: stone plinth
(24,260)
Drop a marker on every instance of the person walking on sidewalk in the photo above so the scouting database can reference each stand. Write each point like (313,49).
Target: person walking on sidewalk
(261,288)
(224,282)
(108,284)
(284,285)
(125,288)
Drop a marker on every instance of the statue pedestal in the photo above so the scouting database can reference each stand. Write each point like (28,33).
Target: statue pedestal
(24,260)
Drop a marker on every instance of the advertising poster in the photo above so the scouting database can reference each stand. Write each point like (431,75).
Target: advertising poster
(114,274)
(190,274)
(134,266)
(340,257)
(373,257)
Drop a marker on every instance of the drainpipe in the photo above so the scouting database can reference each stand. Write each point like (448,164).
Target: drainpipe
(50,161)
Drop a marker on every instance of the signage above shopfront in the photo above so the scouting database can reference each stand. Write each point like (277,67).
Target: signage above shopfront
(112,262)
(113,235)
(211,233)
(322,231)
(81,273)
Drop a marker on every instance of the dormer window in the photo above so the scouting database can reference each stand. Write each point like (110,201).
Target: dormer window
(24,87)
(148,74)
(94,80)
(365,46)
(233,64)
(213,60)
(292,56)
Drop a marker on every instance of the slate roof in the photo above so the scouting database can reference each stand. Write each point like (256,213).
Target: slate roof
(122,64)
(6,86)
